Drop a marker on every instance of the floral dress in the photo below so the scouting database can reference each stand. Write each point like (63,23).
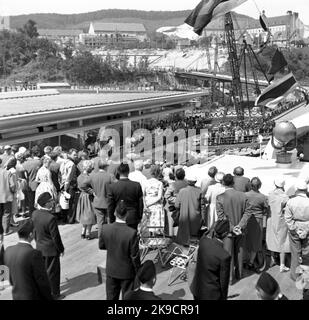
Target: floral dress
(154,204)
(44,179)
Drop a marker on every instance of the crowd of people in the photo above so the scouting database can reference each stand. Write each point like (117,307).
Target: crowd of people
(134,199)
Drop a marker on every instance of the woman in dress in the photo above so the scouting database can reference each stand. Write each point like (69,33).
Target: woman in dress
(44,179)
(257,207)
(11,167)
(84,212)
(277,239)
(154,201)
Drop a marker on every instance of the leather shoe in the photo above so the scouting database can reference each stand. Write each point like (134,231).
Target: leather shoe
(59,297)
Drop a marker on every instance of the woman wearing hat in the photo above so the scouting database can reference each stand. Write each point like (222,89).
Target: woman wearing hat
(277,239)
(84,211)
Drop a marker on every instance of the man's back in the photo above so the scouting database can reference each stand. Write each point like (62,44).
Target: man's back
(212,272)
(131,193)
(31,167)
(47,235)
(121,243)
(242,184)
(99,182)
(232,204)
(27,273)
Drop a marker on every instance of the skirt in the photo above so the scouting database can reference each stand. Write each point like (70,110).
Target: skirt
(84,210)
(254,234)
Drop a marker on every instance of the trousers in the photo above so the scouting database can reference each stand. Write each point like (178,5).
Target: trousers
(101,215)
(52,265)
(114,286)
(298,248)
(234,246)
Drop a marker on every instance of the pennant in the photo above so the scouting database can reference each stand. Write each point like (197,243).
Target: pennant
(277,91)
(277,63)
(263,24)
(207,10)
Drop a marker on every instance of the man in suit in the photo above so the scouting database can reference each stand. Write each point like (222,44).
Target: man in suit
(147,277)
(129,191)
(26,266)
(210,180)
(69,173)
(212,273)
(241,183)
(31,166)
(123,258)
(100,181)
(7,188)
(48,240)
(231,205)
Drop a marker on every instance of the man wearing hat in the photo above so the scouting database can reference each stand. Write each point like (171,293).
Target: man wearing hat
(123,257)
(267,288)
(190,204)
(26,266)
(211,199)
(212,273)
(297,219)
(147,277)
(48,240)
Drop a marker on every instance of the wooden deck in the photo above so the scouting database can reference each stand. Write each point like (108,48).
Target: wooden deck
(79,280)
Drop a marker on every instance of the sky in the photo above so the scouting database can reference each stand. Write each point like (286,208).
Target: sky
(272,7)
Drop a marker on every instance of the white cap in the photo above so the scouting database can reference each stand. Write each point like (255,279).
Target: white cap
(190,176)
(22,150)
(7,147)
(279,182)
(301,185)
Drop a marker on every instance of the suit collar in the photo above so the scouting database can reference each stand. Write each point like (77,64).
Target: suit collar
(24,243)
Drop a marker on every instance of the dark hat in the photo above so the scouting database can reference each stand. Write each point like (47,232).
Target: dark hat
(222,228)
(44,198)
(268,284)
(146,272)
(25,227)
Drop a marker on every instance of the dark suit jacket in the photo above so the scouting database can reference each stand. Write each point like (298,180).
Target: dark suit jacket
(122,245)
(55,174)
(211,278)
(232,204)
(141,295)
(27,273)
(242,184)
(99,182)
(46,234)
(31,167)
(132,194)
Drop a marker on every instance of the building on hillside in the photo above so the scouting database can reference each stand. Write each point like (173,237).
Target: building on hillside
(285,29)
(61,37)
(4,23)
(101,34)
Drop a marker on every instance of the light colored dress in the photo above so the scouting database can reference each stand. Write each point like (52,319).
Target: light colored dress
(44,179)
(277,239)
(154,203)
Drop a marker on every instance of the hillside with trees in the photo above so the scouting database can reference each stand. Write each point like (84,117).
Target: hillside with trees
(152,20)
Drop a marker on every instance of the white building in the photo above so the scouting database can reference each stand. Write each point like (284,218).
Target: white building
(4,23)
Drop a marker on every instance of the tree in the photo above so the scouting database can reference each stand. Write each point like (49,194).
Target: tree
(30,29)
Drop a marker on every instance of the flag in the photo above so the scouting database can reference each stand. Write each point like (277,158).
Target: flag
(208,10)
(263,24)
(277,91)
(277,63)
